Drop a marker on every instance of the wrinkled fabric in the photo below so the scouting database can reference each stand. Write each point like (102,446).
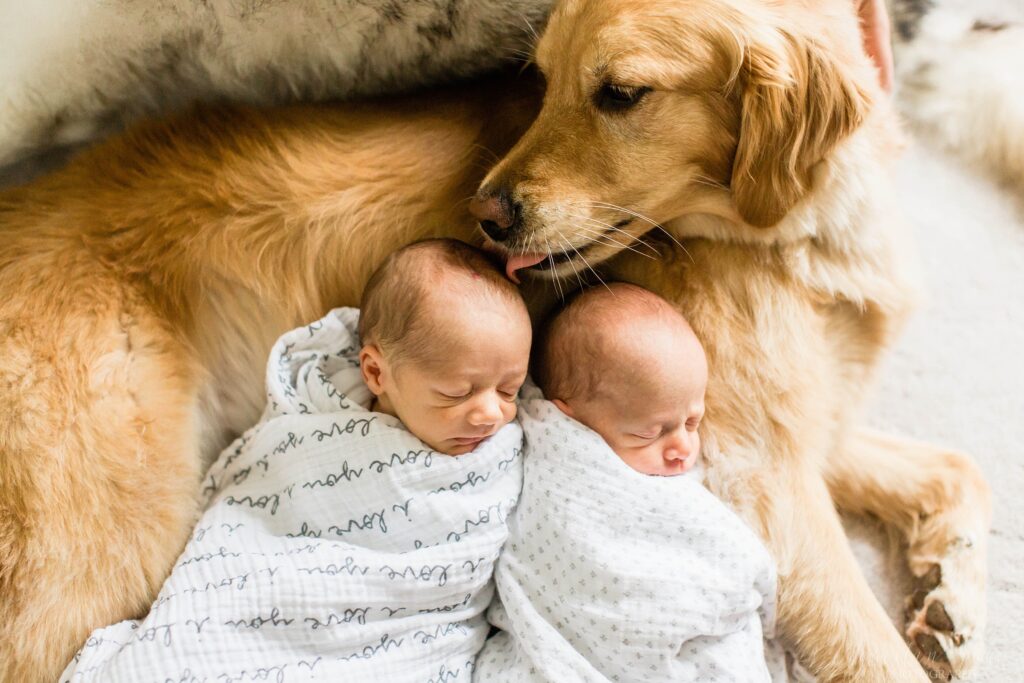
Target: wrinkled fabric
(612,575)
(335,545)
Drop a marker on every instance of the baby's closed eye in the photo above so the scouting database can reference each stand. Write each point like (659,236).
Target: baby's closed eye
(456,395)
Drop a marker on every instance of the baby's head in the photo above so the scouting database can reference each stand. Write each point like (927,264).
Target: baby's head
(626,364)
(446,343)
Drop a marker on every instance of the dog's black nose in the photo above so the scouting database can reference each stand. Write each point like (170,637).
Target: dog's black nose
(493,231)
(497,213)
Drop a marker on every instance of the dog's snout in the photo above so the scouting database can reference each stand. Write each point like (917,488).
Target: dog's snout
(495,207)
(497,213)
(493,231)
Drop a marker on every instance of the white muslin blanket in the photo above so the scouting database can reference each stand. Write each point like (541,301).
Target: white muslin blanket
(335,546)
(613,575)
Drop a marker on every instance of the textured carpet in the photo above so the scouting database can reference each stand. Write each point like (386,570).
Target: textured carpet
(956,377)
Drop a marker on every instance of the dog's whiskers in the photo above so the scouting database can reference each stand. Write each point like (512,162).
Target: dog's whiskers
(562,239)
(599,235)
(530,28)
(558,285)
(520,56)
(494,157)
(586,262)
(677,243)
(631,212)
(530,247)
(632,238)
(656,225)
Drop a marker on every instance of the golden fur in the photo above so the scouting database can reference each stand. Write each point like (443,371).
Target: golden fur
(144,284)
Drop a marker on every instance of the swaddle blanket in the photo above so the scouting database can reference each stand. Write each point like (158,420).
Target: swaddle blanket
(335,545)
(613,575)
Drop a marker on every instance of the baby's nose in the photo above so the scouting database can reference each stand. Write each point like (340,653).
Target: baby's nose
(678,448)
(672,453)
(487,411)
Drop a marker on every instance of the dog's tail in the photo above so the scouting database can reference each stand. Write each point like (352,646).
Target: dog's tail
(960,83)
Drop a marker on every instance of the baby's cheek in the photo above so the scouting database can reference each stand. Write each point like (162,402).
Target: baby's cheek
(631,457)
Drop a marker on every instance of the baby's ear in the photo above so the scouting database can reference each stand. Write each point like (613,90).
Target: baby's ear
(373,367)
(563,406)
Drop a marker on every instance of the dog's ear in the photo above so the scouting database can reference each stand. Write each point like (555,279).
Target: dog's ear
(797,103)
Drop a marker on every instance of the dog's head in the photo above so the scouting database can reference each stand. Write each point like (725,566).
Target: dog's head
(656,109)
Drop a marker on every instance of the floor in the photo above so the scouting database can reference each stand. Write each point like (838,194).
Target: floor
(957,376)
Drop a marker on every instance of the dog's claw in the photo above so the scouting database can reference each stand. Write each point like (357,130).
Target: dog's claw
(938,618)
(931,579)
(931,648)
(932,631)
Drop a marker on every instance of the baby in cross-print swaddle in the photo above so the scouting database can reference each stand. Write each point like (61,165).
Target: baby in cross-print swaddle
(615,568)
(351,534)
(623,362)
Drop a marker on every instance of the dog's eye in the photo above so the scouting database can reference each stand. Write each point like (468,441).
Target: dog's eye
(612,97)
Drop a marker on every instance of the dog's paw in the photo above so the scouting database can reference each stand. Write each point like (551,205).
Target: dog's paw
(946,613)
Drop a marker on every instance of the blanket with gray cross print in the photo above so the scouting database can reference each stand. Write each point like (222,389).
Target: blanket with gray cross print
(613,575)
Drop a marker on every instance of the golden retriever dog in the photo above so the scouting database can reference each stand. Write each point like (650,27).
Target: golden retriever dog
(144,284)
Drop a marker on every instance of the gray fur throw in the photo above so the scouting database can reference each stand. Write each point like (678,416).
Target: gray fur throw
(72,69)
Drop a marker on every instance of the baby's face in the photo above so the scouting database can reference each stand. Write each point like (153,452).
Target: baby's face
(651,420)
(467,390)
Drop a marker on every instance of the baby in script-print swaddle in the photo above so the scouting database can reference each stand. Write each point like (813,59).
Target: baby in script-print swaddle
(617,569)
(446,343)
(341,543)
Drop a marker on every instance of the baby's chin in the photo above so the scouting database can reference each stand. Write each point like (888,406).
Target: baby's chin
(458,450)
(453,447)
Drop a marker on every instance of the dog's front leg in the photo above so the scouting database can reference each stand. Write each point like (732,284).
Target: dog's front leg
(826,610)
(940,502)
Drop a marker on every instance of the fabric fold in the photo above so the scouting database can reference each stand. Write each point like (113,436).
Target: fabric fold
(334,545)
(612,575)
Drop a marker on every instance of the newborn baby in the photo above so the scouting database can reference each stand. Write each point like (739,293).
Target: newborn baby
(343,543)
(610,573)
(623,362)
(446,344)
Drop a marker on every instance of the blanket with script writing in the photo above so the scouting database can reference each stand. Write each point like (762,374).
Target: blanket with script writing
(334,546)
(612,575)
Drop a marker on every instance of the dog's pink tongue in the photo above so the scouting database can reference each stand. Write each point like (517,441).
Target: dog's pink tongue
(519,261)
